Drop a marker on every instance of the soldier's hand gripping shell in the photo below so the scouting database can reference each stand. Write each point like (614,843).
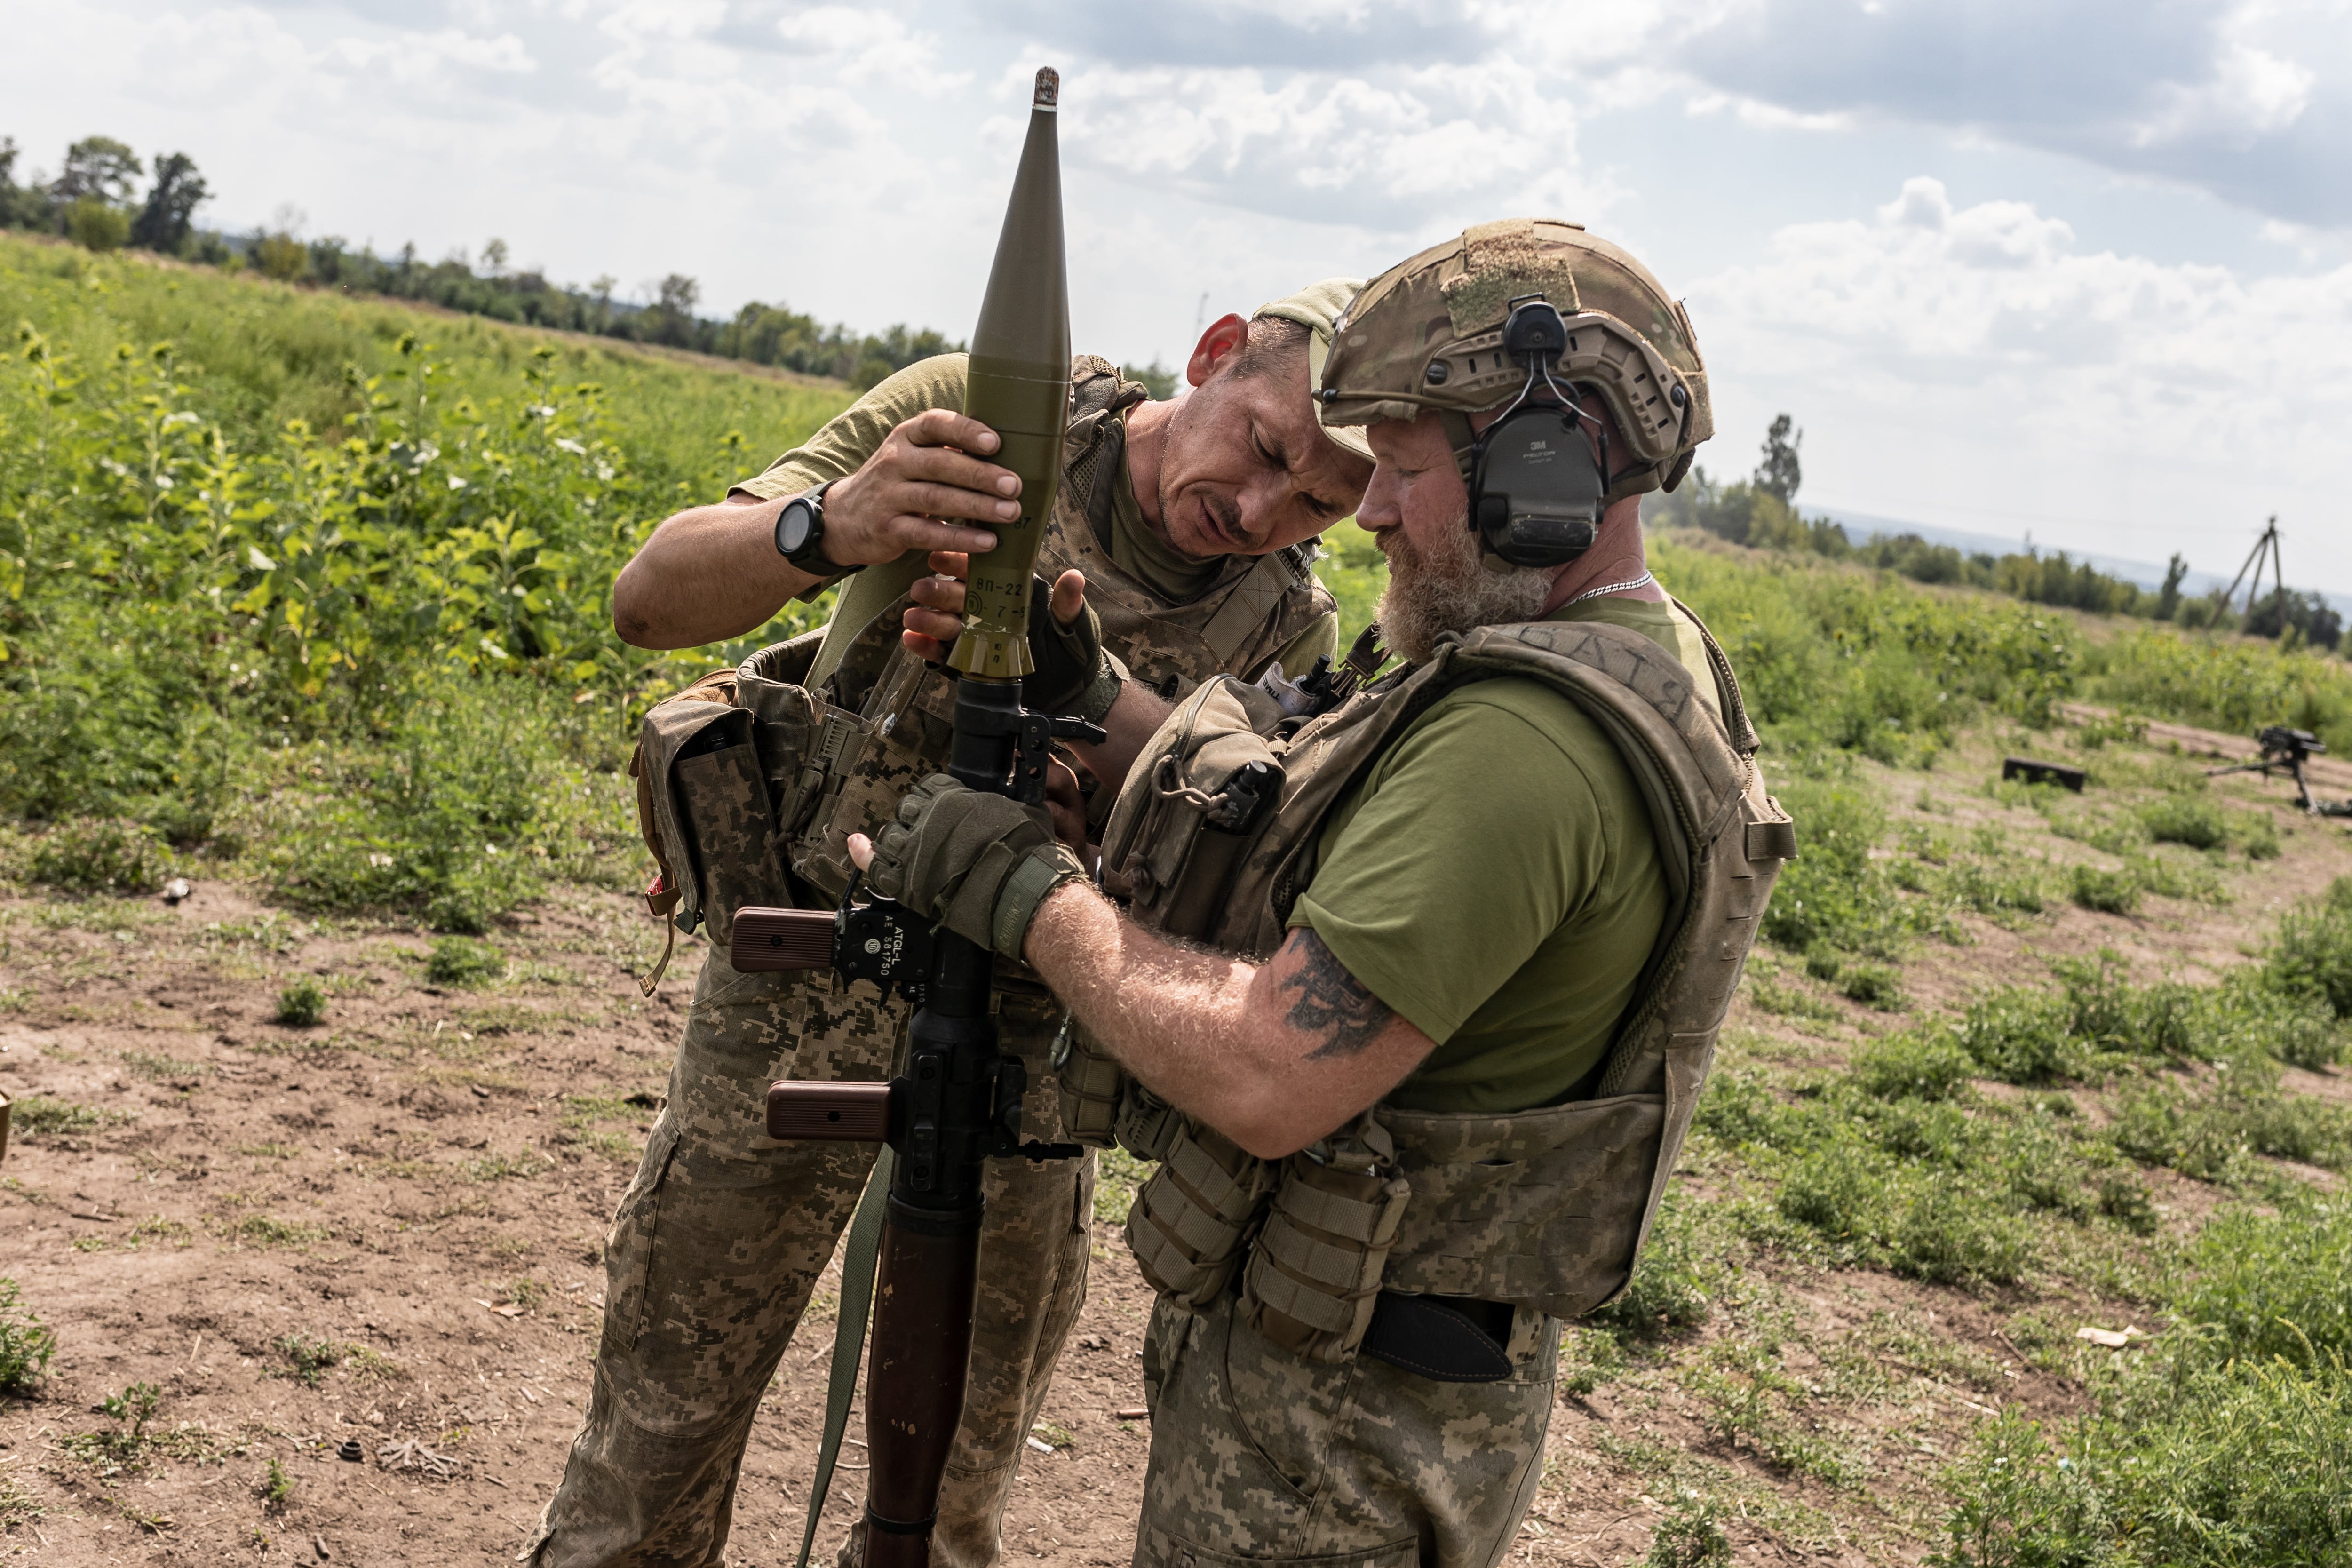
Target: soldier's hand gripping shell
(978,864)
(1074,674)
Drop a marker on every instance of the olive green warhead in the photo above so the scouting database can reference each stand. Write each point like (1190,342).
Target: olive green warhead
(1020,388)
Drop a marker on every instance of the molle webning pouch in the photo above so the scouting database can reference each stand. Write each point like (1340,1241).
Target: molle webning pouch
(1316,1267)
(1193,1217)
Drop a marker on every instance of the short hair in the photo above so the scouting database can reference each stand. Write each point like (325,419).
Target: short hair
(1272,341)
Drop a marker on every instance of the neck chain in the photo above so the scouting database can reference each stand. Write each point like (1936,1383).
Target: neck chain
(1644,581)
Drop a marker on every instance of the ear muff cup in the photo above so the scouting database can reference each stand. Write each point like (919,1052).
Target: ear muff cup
(1535,488)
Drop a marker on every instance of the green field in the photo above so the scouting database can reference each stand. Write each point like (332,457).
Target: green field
(317,590)
(311,593)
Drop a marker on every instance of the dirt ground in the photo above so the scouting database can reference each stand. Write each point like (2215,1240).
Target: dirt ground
(423,1178)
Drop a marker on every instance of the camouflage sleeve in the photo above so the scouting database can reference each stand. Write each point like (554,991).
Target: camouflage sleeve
(1319,640)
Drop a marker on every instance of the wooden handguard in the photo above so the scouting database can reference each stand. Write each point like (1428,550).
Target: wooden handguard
(829,1112)
(769,939)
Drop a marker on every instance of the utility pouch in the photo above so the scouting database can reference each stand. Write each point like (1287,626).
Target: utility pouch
(1192,1218)
(710,765)
(1147,1126)
(885,720)
(1182,825)
(1092,1084)
(788,722)
(1315,1272)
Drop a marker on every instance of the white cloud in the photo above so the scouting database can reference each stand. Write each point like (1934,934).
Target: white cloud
(1969,360)
(2249,99)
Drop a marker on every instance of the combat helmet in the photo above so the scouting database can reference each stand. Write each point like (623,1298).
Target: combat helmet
(1428,333)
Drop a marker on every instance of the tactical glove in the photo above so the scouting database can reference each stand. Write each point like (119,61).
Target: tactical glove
(1074,674)
(978,864)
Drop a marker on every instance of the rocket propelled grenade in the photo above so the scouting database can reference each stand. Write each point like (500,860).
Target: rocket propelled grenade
(1019,386)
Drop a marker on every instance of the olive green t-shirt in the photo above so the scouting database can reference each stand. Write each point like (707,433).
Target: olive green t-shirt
(858,431)
(1494,880)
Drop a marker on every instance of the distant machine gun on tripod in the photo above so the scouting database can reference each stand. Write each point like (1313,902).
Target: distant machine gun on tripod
(2290,749)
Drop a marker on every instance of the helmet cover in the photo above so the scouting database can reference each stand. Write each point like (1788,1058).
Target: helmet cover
(1428,335)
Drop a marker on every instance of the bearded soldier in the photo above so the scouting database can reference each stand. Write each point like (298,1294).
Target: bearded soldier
(1189,525)
(1470,930)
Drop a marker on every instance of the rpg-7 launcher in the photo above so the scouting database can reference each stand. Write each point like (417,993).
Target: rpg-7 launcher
(958,1100)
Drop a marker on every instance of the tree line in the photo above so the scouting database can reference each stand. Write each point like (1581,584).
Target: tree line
(95,200)
(1760,510)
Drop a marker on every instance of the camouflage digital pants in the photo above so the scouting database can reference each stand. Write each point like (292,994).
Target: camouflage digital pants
(718,1245)
(1260,1458)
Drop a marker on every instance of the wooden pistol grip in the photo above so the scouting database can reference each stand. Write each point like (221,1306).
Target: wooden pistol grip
(829,1112)
(769,939)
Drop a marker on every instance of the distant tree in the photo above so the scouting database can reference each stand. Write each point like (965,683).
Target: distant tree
(1779,473)
(2168,601)
(2308,617)
(99,167)
(1157,377)
(494,258)
(280,255)
(672,317)
(95,224)
(327,258)
(20,207)
(172,202)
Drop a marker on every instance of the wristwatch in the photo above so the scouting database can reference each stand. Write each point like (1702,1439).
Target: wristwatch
(800,534)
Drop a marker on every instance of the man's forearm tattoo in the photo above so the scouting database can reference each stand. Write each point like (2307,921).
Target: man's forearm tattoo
(1331,1002)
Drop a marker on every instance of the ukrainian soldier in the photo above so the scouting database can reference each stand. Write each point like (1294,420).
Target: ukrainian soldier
(1189,525)
(1470,933)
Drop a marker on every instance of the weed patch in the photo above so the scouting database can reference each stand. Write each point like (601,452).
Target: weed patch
(40,1116)
(302,1003)
(1689,1537)
(2105,892)
(309,1357)
(26,1342)
(461,961)
(131,1444)
(2312,954)
(100,855)
(269,1231)
(520,1166)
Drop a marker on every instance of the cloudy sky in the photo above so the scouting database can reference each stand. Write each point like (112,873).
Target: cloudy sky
(2083,269)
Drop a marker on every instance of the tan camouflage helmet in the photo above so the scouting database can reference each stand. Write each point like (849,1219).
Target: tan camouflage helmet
(1428,333)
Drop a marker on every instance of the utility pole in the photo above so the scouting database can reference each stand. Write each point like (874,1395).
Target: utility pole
(2266,547)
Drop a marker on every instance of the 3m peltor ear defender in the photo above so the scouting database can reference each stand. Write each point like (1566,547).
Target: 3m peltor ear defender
(1536,486)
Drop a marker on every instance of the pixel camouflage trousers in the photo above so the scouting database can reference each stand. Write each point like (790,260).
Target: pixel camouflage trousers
(1260,1458)
(718,1242)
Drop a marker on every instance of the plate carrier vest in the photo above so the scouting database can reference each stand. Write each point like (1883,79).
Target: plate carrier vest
(1214,839)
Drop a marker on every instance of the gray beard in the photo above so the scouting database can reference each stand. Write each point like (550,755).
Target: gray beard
(1450,590)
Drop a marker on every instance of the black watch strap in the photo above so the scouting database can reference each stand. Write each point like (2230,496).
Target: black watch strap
(809,557)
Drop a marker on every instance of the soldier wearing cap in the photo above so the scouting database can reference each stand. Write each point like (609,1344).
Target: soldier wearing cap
(1191,525)
(1415,985)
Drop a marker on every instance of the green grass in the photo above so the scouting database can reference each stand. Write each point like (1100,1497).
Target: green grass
(318,588)
(461,960)
(2229,1445)
(301,1003)
(2312,955)
(44,1116)
(309,1357)
(26,1342)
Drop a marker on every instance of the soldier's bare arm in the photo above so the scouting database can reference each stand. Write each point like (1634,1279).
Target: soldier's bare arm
(1274,1056)
(711,572)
